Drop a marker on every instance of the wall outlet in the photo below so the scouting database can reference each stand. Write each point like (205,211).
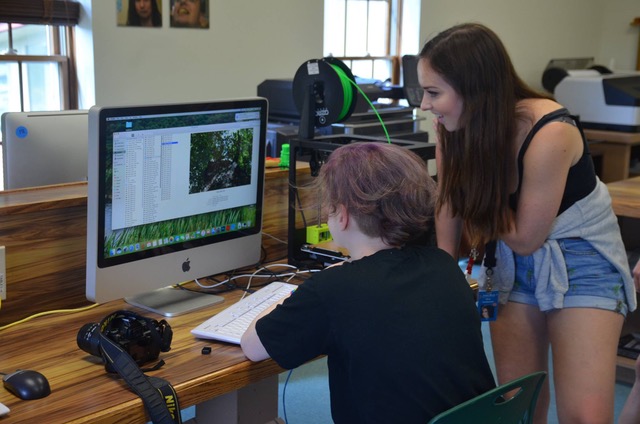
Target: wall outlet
(3,275)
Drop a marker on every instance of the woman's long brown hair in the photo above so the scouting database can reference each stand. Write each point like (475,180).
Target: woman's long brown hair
(477,159)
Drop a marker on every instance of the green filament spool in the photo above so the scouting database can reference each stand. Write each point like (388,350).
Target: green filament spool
(325,92)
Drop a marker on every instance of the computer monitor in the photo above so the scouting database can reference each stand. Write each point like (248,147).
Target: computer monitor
(174,193)
(44,148)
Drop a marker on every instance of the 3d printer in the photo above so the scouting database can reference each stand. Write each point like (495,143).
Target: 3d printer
(324,92)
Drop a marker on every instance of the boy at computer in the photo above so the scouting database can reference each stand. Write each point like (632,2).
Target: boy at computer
(398,321)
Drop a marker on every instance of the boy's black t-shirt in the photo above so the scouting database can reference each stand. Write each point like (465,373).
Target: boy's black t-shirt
(401,331)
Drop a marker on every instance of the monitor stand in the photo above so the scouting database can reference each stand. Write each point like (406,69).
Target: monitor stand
(170,302)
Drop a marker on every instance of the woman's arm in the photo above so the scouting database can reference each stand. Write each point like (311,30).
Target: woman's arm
(448,232)
(553,150)
(448,227)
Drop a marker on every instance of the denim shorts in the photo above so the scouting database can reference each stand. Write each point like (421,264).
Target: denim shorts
(593,281)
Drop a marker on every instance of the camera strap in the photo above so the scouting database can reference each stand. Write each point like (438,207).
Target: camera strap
(158,396)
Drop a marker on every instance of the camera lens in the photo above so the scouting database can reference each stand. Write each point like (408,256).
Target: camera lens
(89,338)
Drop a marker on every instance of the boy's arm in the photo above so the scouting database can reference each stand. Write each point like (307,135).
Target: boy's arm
(250,343)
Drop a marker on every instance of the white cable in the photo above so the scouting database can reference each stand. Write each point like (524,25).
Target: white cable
(265,267)
(289,275)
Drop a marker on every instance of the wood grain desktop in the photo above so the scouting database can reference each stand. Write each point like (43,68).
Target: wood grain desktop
(615,148)
(82,391)
(625,197)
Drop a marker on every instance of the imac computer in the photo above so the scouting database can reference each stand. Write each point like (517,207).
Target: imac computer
(44,148)
(175,193)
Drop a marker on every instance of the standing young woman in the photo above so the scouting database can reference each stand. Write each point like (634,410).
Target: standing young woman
(514,167)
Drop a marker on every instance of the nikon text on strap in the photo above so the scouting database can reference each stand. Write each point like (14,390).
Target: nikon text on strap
(158,396)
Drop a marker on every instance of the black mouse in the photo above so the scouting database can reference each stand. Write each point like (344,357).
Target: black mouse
(27,384)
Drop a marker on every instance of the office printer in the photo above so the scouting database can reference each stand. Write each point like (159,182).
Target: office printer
(602,99)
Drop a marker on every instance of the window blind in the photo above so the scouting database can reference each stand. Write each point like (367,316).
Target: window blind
(48,12)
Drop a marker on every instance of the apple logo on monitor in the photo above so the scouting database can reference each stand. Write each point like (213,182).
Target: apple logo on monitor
(186,266)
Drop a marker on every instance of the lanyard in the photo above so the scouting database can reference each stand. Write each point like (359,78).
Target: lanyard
(489,262)
(487,299)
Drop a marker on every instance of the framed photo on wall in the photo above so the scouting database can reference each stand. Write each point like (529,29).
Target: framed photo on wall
(139,13)
(190,14)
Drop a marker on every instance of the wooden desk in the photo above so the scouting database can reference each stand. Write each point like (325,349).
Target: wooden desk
(625,197)
(615,148)
(44,231)
(625,200)
(83,392)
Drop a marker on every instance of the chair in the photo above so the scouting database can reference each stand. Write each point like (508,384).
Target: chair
(491,407)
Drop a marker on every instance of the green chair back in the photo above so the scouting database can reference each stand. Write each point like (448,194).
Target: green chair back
(491,407)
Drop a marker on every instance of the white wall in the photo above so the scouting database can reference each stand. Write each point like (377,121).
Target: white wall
(532,31)
(619,40)
(536,31)
(248,42)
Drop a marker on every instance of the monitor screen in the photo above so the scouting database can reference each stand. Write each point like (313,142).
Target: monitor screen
(44,148)
(174,193)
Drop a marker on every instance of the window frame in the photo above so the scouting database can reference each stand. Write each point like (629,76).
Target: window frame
(67,99)
(393,37)
(58,16)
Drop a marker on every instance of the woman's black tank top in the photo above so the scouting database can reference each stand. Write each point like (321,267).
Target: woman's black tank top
(581,179)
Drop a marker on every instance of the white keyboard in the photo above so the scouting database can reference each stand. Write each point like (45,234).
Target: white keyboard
(230,324)
(4,410)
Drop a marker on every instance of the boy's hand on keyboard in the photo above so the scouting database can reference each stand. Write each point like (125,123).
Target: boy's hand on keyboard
(250,343)
(230,324)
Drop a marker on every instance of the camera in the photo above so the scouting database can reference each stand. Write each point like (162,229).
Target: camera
(142,338)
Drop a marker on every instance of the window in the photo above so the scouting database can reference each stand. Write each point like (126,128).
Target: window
(37,71)
(371,36)
(36,53)
(33,73)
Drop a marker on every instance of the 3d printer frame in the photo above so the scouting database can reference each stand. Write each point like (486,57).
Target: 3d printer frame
(318,149)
